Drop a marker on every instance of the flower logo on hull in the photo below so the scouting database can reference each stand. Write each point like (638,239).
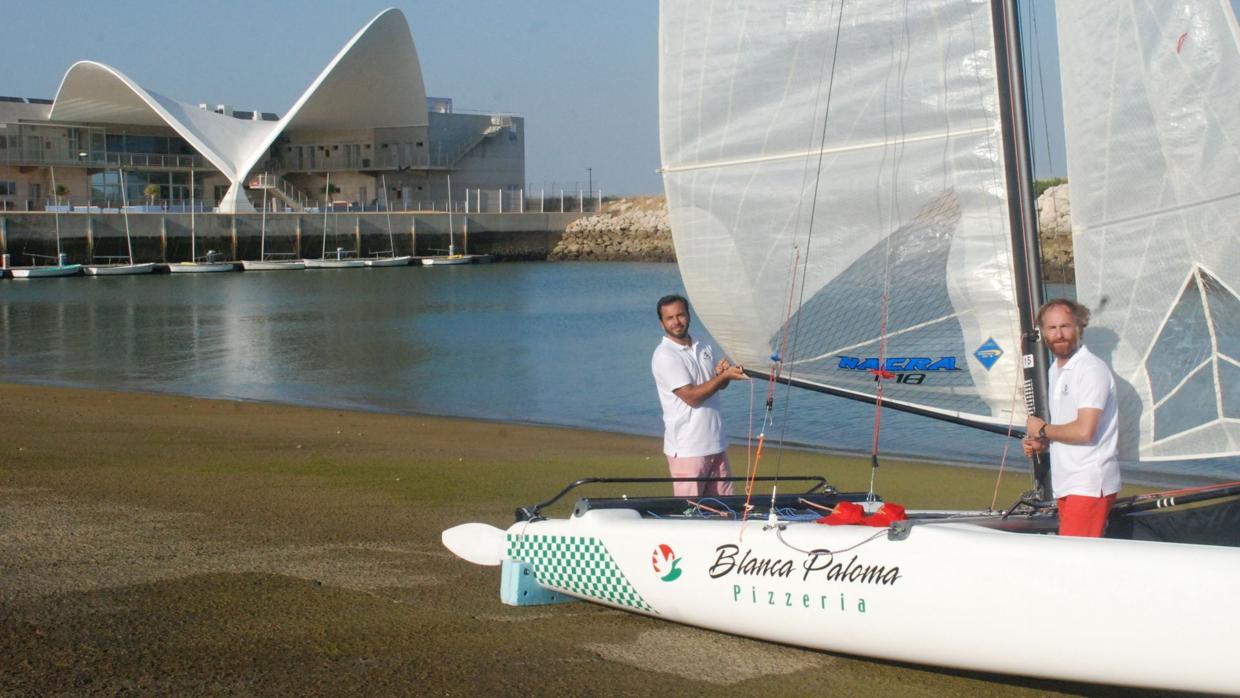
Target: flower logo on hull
(665,563)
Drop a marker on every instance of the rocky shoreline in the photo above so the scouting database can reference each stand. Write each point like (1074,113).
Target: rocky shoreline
(637,229)
(634,229)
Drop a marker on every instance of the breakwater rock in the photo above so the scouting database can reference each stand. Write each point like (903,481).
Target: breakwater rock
(633,229)
(637,229)
(1055,234)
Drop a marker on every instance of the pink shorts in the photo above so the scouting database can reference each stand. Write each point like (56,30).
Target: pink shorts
(714,465)
(1084,516)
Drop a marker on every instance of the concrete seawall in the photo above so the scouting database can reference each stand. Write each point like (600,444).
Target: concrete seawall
(159,237)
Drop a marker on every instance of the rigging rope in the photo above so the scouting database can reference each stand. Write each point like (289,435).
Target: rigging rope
(1007,442)
(790,329)
(794,332)
(772,380)
(900,61)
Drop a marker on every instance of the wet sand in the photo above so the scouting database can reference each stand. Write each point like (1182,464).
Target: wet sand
(169,545)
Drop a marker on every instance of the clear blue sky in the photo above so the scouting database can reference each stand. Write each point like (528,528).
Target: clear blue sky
(584,74)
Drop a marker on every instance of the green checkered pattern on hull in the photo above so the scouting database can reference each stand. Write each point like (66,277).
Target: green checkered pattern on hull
(578,565)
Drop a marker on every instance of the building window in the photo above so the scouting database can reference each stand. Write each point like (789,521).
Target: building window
(8,188)
(36,191)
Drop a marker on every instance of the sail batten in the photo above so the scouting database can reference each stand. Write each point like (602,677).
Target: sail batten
(802,154)
(1178,208)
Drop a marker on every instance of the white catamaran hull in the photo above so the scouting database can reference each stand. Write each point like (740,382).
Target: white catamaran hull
(949,594)
(118,269)
(255,265)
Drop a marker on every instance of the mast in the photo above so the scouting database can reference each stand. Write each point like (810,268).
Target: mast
(327,188)
(451,246)
(59,259)
(1022,215)
(387,212)
(193,243)
(262,226)
(125,208)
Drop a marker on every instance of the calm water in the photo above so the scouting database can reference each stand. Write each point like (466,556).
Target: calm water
(562,344)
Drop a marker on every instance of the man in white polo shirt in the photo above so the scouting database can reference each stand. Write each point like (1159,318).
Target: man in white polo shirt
(1082,435)
(688,380)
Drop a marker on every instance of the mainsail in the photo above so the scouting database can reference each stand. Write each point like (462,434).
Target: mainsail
(1152,118)
(835,177)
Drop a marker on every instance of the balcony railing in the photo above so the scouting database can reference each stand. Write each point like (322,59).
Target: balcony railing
(45,157)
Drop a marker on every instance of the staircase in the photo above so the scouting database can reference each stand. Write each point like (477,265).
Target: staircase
(498,124)
(280,188)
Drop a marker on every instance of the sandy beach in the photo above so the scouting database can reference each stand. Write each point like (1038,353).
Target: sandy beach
(170,545)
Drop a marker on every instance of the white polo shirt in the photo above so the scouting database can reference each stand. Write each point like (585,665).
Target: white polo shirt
(1089,469)
(688,432)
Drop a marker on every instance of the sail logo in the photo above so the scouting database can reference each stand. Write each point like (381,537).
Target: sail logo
(988,353)
(665,563)
(899,364)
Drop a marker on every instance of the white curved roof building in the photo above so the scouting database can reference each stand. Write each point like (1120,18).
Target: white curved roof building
(369,101)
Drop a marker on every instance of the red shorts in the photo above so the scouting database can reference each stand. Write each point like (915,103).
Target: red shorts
(714,465)
(1084,516)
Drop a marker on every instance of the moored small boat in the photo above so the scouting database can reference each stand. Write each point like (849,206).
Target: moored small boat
(402,261)
(118,269)
(334,263)
(45,271)
(273,265)
(200,267)
(444,260)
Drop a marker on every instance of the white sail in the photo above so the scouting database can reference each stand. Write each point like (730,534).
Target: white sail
(860,153)
(1152,118)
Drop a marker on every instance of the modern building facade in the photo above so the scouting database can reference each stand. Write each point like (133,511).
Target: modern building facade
(364,124)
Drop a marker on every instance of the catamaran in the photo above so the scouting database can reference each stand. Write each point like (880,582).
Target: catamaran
(128,267)
(850,197)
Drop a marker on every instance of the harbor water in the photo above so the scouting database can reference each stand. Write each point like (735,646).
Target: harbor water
(564,344)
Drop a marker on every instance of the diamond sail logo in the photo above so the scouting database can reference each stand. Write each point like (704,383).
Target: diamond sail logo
(665,562)
(988,353)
